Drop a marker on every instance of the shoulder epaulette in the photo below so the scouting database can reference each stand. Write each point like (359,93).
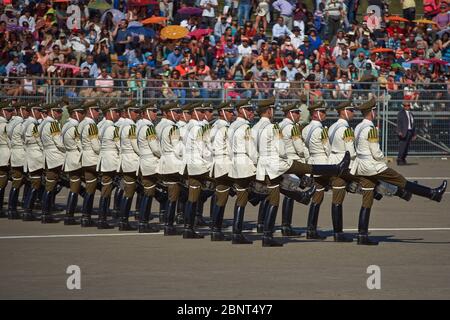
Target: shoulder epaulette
(324,134)
(296,132)
(54,128)
(132,132)
(93,130)
(349,135)
(150,134)
(116,133)
(373,135)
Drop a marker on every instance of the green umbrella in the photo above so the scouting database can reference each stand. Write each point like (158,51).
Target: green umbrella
(396,65)
(99,5)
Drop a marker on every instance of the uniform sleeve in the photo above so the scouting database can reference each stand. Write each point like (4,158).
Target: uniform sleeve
(133,139)
(116,138)
(153,142)
(175,141)
(35,135)
(325,141)
(55,132)
(250,145)
(374,144)
(93,137)
(277,137)
(349,140)
(297,141)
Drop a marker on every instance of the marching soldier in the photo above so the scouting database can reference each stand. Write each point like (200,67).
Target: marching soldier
(341,139)
(221,166)
(50,133)
(185,117)
(118,193)
(171,161)
(316,140)
(6,113)
(72,161)
(206,133)
(128,163)
(195,167)
(370,163)
(14,131)
(34,161)
(149,154)
(296,150)
(273,163)
(89,158)
(243,164)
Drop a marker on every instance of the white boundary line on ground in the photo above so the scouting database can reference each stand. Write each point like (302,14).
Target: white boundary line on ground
(160,233)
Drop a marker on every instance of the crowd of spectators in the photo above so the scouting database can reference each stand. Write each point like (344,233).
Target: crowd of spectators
(256,48)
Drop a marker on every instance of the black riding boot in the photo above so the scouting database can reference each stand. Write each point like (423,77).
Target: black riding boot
(26,191)
(217,221)
(269,227)
(137,205)
(189,219)
(125,206)
(433,194)
(363,228)
(2,197)
(313,217)
(46,216)
(88,203)
(118,195)
(286,218)
(69,219)
(181,205)
(199,220)
(144,215)
(12,204)
(332,169)
(28,206)
(261,216)
(337,218)
(212,207)
(103,208)
(238,223)
(169,228)
(163,211)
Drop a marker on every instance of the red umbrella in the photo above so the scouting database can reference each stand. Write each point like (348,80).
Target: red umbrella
(154,20)
(191,11)
(198,33)
(381,50)
(138,3)
(75,69)
(437,61)
(396,18)
(419,61)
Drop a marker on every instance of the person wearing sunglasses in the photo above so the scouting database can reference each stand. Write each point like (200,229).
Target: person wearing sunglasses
(90,145)
(170,162)
(54,155)
(128,162)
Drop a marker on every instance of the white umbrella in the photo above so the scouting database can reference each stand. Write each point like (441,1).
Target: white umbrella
(117,15)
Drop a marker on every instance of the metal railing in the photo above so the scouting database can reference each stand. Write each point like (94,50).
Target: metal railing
(431,102)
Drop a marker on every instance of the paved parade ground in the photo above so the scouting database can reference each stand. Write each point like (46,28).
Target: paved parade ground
(413,256)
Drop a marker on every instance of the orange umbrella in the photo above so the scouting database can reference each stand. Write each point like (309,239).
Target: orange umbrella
(174,32)
(154,20)
(396,18)
(425,21)
(381,50)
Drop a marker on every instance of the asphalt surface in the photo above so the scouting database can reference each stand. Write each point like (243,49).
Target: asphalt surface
(413,256)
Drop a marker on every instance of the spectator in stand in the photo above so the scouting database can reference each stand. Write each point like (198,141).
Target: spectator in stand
(262,13)
(244,11)
(93,69)
(334,13)
(175,57)
(231,53)
(442,19)
(281,86)
(208,14)
(280,30)
(343,88)
(220,27)
(105,84)
(409,9)
(286,10)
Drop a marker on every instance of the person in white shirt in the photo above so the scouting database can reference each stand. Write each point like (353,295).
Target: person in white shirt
(280,30)
(209,14)
(26,17)
(282,85)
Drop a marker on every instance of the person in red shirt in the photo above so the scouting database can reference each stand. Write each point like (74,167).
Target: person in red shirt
(394,27)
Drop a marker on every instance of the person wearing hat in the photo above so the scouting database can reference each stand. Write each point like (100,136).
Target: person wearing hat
(370,163)
(295,150)
(406,130)
(341,139)
(108,160)
(34,162)
(54,154)
(195,166)
(6,113)
(149,154)
(221,166)
(243,164)
(72,164)
(316,140)
(128,162)
(208,109)
(90,144)
(170,163)
(14,130)
(273,163)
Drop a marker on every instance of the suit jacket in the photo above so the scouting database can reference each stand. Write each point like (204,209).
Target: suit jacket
(402,123)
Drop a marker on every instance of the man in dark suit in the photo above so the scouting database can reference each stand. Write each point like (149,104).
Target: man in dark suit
(406,131)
